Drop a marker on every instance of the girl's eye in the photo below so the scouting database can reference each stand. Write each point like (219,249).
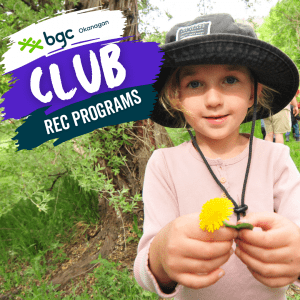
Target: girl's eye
(194,84)
(231,80)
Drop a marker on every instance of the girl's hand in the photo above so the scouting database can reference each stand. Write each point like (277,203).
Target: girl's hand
(273,255)
(182,253)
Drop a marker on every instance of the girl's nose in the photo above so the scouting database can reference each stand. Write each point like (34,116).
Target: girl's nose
(213,97)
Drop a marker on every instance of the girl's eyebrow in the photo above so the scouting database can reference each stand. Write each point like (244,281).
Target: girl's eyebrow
(190,71)
(187,72)
(236,68)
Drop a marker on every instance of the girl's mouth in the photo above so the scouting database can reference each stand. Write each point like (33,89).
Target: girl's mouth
(217,119)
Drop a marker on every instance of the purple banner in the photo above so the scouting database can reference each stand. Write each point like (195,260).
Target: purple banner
(118,65)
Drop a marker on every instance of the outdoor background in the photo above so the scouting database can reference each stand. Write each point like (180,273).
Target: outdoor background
(71,216)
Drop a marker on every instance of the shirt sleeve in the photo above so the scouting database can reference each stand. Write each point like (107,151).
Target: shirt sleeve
(287,189)
(160,208)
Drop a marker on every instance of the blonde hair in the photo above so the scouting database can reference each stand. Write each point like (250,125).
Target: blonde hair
(169,98)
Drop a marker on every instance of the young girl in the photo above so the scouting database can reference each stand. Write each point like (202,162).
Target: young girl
(217,75)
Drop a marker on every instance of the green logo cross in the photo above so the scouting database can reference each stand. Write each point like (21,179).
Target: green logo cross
(34,45)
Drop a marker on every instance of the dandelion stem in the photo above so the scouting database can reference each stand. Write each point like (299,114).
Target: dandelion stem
(239,226)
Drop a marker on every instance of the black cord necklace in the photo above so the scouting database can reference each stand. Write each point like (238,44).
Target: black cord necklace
(243,207)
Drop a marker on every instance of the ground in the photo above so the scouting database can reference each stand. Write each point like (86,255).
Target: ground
(108,238)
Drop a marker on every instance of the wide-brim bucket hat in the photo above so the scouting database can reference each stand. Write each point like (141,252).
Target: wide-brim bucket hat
(218,39)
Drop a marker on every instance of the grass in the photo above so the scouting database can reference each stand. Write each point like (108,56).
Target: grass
(109,283)
(293,145)
(29,232)
(27,235)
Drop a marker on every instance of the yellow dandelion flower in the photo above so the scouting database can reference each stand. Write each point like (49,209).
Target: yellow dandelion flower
(214,212)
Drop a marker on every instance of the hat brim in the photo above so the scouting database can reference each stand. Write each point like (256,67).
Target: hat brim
(270,65)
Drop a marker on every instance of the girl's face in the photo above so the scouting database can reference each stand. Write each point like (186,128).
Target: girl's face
(215,98)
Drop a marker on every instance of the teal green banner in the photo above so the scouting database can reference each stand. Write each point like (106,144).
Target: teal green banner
(106,109)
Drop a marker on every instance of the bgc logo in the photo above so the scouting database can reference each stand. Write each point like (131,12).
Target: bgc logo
(60,37)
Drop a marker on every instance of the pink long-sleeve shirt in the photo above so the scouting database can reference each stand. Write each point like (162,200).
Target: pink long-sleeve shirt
(177,183)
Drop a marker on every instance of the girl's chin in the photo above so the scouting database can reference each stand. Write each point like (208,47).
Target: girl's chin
(218,135)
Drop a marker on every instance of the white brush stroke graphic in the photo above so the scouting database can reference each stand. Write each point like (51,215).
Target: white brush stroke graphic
(66,29)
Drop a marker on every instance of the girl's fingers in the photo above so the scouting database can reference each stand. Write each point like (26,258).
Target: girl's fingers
(274,229)
(276,255)
(221,235)
(189,265)
(264,269)
(273,238)
(195,281)
(202,250)
(272,282)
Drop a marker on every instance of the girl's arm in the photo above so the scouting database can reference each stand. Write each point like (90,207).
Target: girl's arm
(173,248)
(295,105)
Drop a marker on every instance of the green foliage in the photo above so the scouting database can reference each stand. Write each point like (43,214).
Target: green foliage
(281,28)
(27,236)
(293,293)
(158,37)
(148,15)
(27,232)
(146,18)
(45,291)
(113,284)
(295,153)
(246,128)
(119,200)
(30,175)
(4,85)
(110,283)
(178,135)
(135,229)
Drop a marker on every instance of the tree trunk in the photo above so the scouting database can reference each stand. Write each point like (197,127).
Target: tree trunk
(146,135)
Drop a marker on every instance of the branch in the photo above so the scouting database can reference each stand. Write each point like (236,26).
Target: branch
(31,5)
(294,23)
(9,228)
(292,20)
(5,9)
(59,175)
